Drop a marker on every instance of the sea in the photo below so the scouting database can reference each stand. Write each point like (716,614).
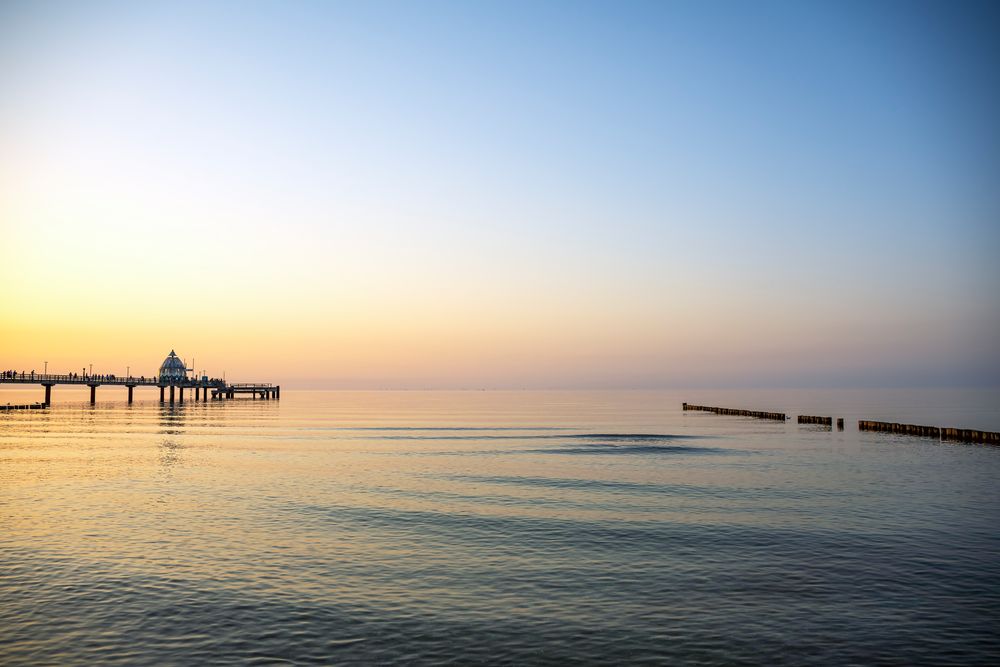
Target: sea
(497,528)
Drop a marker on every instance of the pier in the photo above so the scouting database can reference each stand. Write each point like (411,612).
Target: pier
(256,390)
(172,380)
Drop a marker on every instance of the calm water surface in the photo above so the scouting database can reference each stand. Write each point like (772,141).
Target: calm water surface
(497,527)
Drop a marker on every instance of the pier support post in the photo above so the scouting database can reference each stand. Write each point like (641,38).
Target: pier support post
(130,388)
(48,395)
(277,392)
(182,394)
(204,395)
(171,394)
(161,394)
(93,394)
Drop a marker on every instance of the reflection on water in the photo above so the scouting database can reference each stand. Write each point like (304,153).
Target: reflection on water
(489,527)
(172,418)
(170,453)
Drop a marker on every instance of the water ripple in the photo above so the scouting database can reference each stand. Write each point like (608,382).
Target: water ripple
(348,529)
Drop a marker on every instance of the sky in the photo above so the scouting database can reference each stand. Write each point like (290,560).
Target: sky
(504,194)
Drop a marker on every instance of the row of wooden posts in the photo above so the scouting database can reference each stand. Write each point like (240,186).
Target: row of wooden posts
(778,416)
(946,433)
(956,434)
(822,421)
(23,406)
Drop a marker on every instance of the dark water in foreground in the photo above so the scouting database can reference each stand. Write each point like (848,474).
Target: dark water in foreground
(492,527)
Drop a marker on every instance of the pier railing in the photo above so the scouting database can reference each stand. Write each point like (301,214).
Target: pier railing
(138,381)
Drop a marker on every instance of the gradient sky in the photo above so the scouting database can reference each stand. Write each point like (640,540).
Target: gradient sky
(504,194)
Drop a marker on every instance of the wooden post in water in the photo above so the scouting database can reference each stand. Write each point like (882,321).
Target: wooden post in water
(759,414)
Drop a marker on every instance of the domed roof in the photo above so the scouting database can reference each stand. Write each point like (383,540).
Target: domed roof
(172,362)
(172,369)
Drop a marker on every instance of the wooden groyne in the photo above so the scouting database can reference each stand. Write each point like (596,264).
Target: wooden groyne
(777,416)
(955,434)
(970,435)
(822,421)
(25,406)
(936,432)
(903,429)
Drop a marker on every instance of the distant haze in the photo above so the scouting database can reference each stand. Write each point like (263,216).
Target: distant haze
(504,194)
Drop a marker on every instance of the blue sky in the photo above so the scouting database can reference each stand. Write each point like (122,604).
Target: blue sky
(552,184)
